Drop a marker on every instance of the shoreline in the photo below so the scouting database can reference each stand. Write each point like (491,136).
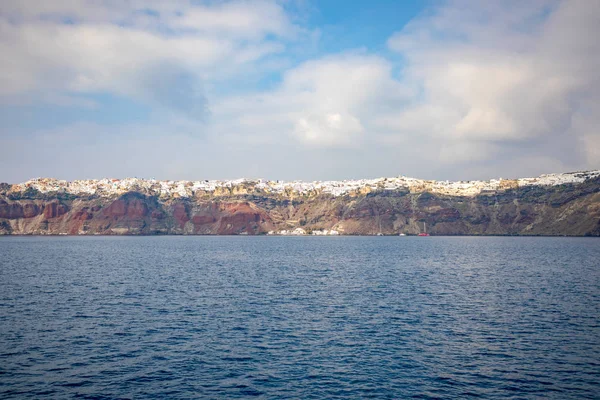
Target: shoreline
(265,235)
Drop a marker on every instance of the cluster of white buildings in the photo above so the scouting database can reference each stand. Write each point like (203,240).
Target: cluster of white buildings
(325,232)
(302,232)
(108,187)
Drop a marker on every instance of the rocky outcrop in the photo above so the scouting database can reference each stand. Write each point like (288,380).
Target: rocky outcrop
(561,206)
(54,209)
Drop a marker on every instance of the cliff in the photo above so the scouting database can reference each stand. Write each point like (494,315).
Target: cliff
(555,204)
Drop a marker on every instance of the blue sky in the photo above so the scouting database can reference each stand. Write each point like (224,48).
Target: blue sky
(350,24)
(294,89)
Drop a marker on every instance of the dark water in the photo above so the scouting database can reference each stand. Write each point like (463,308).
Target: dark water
(299,317)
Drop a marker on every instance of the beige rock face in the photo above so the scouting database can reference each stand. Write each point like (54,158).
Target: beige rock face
(565,204)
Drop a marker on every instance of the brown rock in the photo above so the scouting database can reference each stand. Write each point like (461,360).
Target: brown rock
(180,214)
(157,214)
(117,208)
(137,209)
(570,210)
(447,215)
(83,215)
(54,209)
(11,211)
(241,217)
(203,219)
(30,210)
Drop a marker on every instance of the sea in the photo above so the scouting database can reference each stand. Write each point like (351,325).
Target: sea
(186,317)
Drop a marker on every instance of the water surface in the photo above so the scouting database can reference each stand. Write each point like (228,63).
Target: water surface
(299,317)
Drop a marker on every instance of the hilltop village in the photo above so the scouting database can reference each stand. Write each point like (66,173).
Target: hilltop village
(552,204)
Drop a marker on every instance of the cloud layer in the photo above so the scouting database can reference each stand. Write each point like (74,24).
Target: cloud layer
(465,90)
(507,75)
(133,49)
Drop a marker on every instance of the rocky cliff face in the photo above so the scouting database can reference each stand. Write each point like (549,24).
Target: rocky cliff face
(565,204)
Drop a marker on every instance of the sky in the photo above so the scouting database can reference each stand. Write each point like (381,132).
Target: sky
(298,89)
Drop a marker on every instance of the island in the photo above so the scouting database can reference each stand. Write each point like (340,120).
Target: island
(552,204)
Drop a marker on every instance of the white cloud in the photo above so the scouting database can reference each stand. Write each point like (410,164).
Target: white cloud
(485,86)
(324,103)
(118,47)
(329,129)
(502,72)
(248,19)
(484,89)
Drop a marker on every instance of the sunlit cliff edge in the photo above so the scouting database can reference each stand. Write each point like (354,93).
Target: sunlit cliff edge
(552,204)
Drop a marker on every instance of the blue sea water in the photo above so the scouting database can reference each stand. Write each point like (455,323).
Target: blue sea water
(299,317)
